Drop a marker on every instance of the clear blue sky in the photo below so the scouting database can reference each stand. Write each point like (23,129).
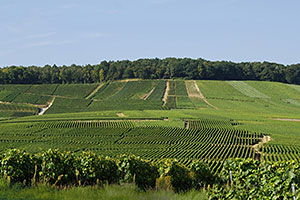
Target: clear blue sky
(38,32)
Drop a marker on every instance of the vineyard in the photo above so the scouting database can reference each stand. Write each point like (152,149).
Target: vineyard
(207,140)
(148,95)
(163,121)
(280,152)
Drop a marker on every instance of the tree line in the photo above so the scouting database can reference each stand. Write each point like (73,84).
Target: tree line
(168,68)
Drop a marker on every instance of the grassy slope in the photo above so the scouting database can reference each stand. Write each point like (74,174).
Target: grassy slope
(255,113)
(128,96)
(75,90)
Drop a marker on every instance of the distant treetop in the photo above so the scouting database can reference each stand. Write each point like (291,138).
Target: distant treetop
(167,68)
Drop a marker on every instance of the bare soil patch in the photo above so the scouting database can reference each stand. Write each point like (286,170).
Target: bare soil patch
(43,110)
(94,91)
(147,95)
(121,115)
(166,93)
(134,79)
(290,120)
(258,153)
(201,96)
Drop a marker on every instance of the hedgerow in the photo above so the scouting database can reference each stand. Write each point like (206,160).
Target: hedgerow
(67,168)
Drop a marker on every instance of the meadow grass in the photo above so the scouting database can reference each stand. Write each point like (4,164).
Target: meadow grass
(107,192)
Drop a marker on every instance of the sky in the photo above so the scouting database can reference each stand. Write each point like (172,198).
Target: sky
(65,32)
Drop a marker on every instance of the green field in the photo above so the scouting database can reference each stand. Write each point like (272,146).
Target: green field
(206,120)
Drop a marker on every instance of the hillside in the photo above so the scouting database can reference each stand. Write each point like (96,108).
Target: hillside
(182,119)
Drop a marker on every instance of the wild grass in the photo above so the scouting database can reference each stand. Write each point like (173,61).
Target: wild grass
(107,192)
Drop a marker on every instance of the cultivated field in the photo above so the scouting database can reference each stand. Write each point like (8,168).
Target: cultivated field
(178,119)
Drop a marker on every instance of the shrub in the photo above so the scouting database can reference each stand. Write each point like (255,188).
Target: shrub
(92,169)
(202,175)
(134,169)
(252,179)
(57,167)
(17,166)
(180,177)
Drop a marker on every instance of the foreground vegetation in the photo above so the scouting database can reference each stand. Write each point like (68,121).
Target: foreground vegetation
(107,192)
(194,122)
(239,178)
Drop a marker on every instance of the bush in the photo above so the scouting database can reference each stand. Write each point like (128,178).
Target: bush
(252,179)
(202,175)
(57,167)
(181,180)
(180,177)
(92,169)
(134,169)
(17,166)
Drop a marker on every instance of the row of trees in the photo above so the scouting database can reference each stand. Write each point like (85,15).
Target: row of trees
(167,68)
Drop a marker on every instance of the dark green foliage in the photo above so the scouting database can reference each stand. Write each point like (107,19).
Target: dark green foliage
(180,88)
(10,96)
(75,90)
(17,110)
(18,107)
(16,88)
(181,178)
(158,92)
(202,175)
(250,179)
(257,180)
(112,138)
(63,105)
(167,68)
(57,168)
(17,166)
(171,100)
(142,173)
(32,99)
(109,90)
(91,169)
(171,88)
(44,89)
(86,124)
(6,95)
(130,95)
(133,90)
(125,105)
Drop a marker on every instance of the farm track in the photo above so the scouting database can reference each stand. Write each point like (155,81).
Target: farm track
(46,108)
(121,115)
(133,79)
(202,96)
(264,140)
(166,93)
(149,93)
(290,120)
(94,91)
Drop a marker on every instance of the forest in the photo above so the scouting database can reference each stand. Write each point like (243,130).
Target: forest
(168,68)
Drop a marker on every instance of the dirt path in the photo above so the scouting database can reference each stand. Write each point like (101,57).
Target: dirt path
(46,108)
(147,95)
(290,120)
(201,96)
(133,79)
(258,153)
(166,93)
(121,115)
(94,91)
